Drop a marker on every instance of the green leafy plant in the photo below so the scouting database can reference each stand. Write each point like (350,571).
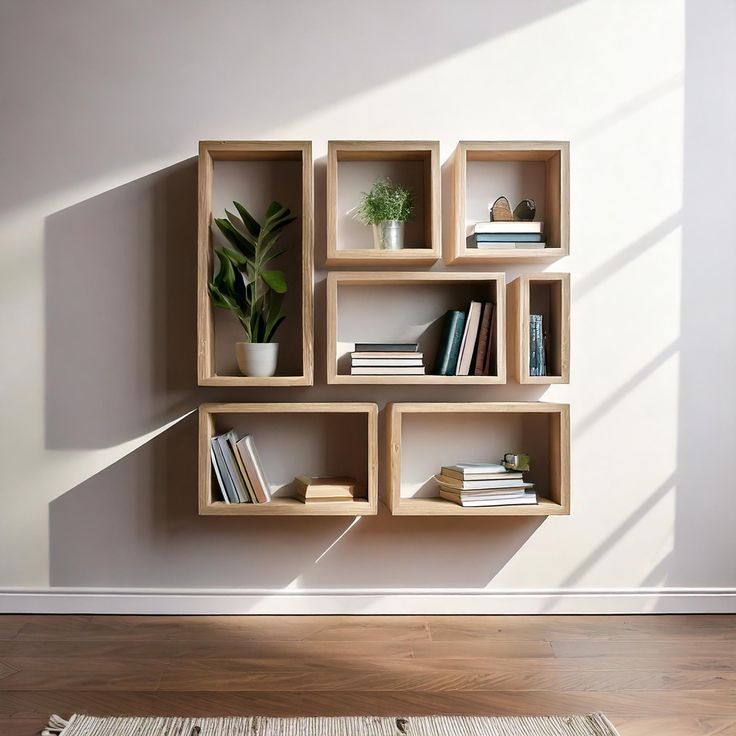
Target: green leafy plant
(244,283)
(385,201)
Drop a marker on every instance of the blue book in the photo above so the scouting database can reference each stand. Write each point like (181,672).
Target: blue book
(508,237)
(449,347)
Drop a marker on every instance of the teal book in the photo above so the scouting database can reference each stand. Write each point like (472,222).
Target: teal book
(449,347)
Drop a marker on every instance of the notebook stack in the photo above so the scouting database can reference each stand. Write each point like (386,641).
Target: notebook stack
(238,469)
(387,359)
(467,345)
(478,484)
(311,489)
(502,235)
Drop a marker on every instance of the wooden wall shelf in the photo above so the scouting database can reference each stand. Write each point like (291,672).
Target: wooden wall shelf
(405,307)
(485,170)
(547,294)
(256,173)
(300,438)
(352,167)
(421,437)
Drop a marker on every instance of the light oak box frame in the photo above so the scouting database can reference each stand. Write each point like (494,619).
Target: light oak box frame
(284,506)
(427,152)
(520,297)
(209,152)
(556,158)
(345,279)
(558,501)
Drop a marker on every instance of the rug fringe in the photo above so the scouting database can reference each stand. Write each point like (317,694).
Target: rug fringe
(56,726)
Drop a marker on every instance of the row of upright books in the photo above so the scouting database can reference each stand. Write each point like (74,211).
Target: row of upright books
(506,234)
(387,359)
(238,469)
(466,345)
(481,484)
(537,348)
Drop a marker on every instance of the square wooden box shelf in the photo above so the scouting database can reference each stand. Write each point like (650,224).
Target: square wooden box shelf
(352,167)
(406,306)
(423,437)
(256,173)
(485,170)
(322,439)
(547,294)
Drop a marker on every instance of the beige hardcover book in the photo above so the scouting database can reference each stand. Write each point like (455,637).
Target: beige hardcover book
(325,488)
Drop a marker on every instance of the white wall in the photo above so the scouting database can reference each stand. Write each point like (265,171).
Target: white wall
(102,106)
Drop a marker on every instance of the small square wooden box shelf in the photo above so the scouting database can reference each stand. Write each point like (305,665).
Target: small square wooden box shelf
(352,168)
(320,439)
(485,170)
(422,437)
(407,307)
(546,294)
(255,173)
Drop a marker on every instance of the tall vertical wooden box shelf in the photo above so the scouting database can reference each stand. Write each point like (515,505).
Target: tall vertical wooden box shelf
(406,306)
(321,439)
(547,294)
(255,173)
(352,167)
(485,170)
(422,437)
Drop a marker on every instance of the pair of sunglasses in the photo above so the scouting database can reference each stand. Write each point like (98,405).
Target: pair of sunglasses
(524,211)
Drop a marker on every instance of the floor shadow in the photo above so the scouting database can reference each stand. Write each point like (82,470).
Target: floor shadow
(120,273)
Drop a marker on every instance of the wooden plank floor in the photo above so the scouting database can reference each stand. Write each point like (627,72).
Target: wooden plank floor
(673,675)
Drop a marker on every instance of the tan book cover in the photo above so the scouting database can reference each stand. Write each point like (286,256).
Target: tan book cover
(325,488)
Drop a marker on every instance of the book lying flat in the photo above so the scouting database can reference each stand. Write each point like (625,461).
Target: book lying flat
(387,371)
(464,470)
(470,485)
(325,488)
(324,499)
(503,246)
(528,499)
(387,354)
(511,226)
(395,362)
(504,496)
(508,238)
(383,347)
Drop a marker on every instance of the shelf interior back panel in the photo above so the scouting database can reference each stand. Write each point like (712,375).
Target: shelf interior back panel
(429,441)
(291,444)
(356,177)
(402,312)
(255,184)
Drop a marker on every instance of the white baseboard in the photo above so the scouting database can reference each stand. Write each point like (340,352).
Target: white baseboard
(427,602)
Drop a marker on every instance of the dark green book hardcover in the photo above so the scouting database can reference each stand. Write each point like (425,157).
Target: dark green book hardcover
(449,347)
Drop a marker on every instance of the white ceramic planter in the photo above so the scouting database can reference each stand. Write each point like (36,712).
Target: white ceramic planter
(257,359)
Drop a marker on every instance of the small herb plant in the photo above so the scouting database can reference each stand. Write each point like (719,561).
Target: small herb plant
(244,283)
(385,201)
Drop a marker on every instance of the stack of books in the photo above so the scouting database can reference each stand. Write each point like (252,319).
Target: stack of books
(312,489)
(511,234)
(480,484)
(537,352)
(387,359)
(468,341)
(238,469)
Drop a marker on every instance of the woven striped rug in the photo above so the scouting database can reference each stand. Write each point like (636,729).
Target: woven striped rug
(81,725)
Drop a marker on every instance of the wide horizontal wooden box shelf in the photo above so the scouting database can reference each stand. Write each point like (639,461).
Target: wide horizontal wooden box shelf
(255,173)
(422,437)
(486,170)
(320,439)
(352,168)
(389,307)
(548,295)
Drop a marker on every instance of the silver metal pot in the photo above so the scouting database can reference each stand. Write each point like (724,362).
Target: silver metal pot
(388,235)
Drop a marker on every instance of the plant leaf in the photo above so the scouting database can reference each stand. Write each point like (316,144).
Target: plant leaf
(271,328)
(235,237)
(276,280)
(248,220)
